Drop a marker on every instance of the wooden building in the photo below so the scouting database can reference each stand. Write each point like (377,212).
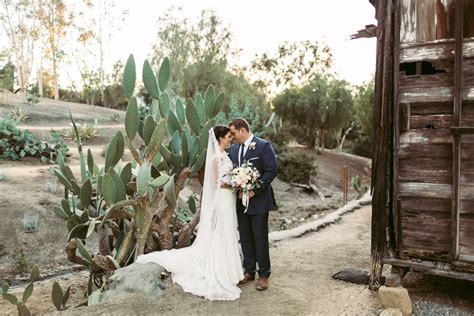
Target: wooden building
(423,155)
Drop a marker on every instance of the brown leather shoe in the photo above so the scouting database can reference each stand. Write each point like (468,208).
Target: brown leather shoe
(262,284)
(247,277)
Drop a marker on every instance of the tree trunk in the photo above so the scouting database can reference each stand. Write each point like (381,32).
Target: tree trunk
(345,135)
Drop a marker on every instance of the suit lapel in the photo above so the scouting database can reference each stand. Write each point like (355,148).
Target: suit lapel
(249,150)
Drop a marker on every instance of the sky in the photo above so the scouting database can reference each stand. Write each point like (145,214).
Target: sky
(260,26)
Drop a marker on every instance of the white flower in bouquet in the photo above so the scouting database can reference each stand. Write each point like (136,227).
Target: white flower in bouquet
(245,178)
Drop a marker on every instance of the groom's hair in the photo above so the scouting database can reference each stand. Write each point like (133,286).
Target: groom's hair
(239,123)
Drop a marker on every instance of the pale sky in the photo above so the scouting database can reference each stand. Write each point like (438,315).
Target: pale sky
(260,26)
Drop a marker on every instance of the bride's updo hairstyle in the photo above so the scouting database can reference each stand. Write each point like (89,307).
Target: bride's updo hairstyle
(220,131)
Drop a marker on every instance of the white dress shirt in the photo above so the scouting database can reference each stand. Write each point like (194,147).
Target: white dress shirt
(246,147)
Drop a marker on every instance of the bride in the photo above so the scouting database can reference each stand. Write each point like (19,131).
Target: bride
(211,266)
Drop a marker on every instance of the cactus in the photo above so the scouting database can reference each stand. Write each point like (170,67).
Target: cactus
(21,304)
(357,185)
(131,205)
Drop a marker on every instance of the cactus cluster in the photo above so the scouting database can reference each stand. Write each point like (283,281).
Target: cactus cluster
(131,205)
(21,304)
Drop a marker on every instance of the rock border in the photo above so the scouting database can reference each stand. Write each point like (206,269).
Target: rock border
(320,223)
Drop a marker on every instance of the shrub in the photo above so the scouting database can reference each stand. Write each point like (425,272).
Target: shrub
(296,167)
(19,114)
(15,144)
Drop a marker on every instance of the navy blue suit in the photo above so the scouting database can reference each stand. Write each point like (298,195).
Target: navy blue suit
(253,225)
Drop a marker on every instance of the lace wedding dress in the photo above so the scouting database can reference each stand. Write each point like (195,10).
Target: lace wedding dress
(211,266)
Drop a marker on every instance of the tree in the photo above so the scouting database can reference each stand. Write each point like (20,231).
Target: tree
(20,24)
(55,19)
(317,109)
(363,108)
(201,52)
(294,64)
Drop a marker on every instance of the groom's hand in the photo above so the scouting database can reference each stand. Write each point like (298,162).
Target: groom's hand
(251,194)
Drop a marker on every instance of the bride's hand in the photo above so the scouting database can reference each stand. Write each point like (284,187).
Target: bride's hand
(225,185)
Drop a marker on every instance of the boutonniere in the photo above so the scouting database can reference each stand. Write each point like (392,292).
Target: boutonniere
(252,145)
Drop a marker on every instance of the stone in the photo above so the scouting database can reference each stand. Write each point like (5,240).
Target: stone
(396,297)
(144,278)
(391,312)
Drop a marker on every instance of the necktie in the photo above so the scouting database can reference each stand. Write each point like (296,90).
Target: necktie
(241,159)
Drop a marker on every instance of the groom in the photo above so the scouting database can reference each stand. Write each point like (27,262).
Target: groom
(253,224)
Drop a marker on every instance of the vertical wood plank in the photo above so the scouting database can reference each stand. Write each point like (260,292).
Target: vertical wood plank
(397,221)
(404,118)
(444,19)
(407,21)
(425,23)
(457,119)
(468,18)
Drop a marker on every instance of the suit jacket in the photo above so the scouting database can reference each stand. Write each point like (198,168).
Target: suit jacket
(263,158)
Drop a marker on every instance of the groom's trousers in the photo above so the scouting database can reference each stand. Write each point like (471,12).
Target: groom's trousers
(253,230)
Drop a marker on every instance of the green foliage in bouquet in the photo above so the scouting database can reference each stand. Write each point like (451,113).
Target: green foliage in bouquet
(132,206)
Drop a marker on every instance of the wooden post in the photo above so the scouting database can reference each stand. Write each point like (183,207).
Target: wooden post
(344,181)
(458,37)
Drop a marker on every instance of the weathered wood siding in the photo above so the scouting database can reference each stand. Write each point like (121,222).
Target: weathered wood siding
(429,20)
(424,162)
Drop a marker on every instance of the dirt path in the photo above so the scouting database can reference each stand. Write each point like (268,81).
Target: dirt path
(301,282)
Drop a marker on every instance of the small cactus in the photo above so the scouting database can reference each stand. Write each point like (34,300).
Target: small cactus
(21,304)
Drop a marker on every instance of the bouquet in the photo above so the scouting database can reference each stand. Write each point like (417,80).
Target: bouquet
(245,178)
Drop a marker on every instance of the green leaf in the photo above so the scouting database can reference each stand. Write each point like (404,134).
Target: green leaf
(120,147)
(173,123)
(129,77)
(79,231)
(204,137)
(184,149)
(66,295)
(109,190)
(218,104)
(155,109)
(200,108)
(86,193)
(57,295)
(156,140)
(60,161)
(120,186)
(131,119)
(83,251)
(194,151)
(11,298)
(114,262)
(110,154)
(165,153)
(159,182)
(175,143)
(59,212)
(192,117)
(66,207)
(27,293)
(143,178)
(164,74)
(209,100)
(91,227)
(90,161)
(5,287)
(170,192)
(148,128)
(149,80)
(62,179)
(69,174)
(200,162)
(126,173)
(164,104)
(34,274)
(180,113)
(192,204)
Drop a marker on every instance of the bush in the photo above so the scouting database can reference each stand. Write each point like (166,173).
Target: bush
(279,139)
(16,144)
(296,167)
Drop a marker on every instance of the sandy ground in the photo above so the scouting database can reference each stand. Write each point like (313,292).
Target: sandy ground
(301,281)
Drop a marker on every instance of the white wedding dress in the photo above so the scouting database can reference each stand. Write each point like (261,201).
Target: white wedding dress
(211,266)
